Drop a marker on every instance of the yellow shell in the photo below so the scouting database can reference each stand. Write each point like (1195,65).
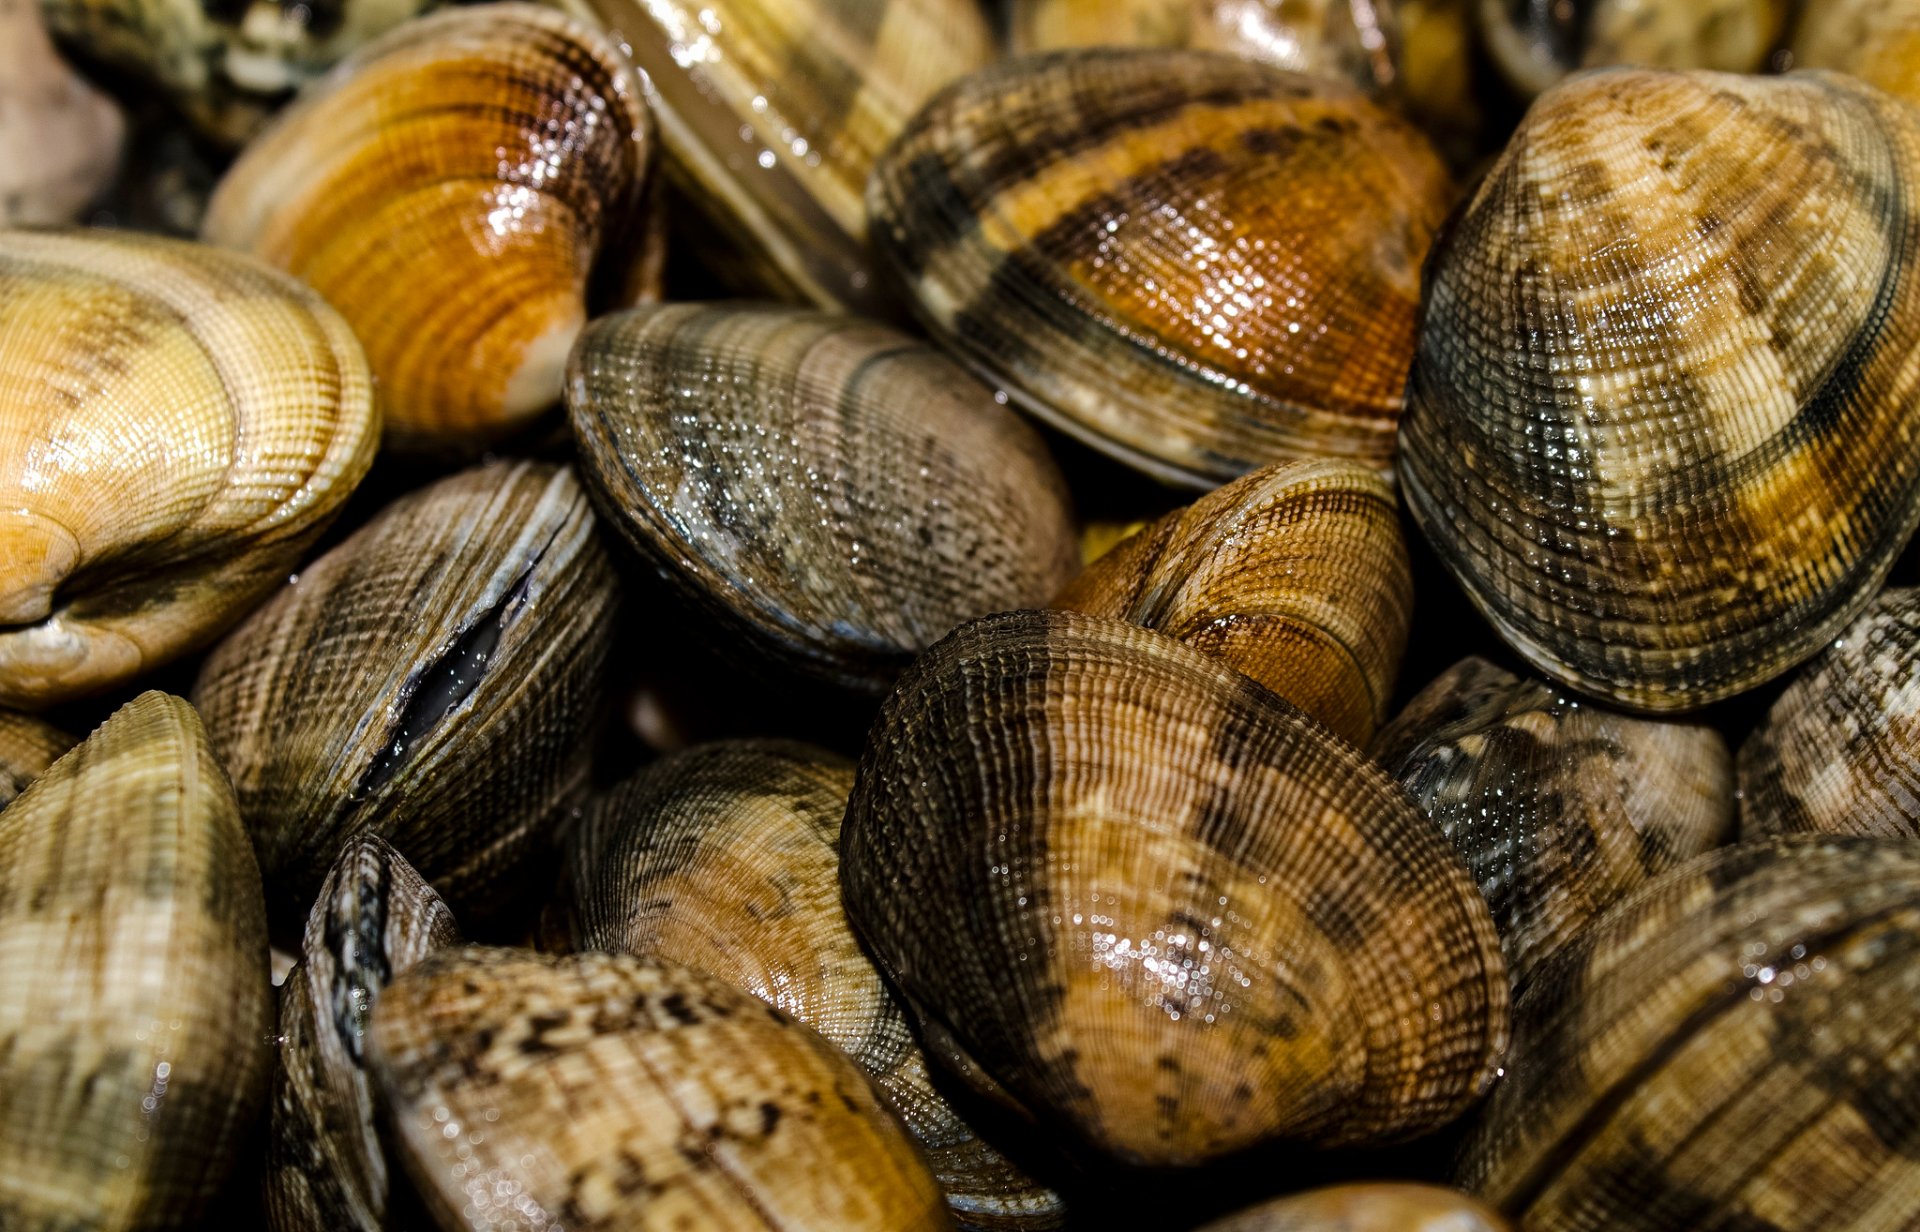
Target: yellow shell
(27,747)
(1877,41)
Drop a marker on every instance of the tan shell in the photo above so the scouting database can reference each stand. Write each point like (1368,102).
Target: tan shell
(1379,1207)
(1168,913)
(177,425)
(134,998)
(726,859)
(1730,1047)
(1877,41)
(1536,44)
(1295,574)
(27,747)
(59,137)
(448,188)
(1197,263)
(604,1091)
(1660,422)
(431,680)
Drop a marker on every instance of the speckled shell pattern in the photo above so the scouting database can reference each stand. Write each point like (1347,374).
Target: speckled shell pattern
(1376,1207)
(1197,263)
(60,137)
(177,425)
(725,858)
(1730,1047)
(603,1091)
(1877,41)
(1839,753)
(27,747)
(1295,574)
(1167,913)
(1661,426)
(448,188)
(828,491)
(1535,43)
(134,995)
(374,918)
(431,680)
(1560,807)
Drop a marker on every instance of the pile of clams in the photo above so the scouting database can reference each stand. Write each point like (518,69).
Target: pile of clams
(1234,615)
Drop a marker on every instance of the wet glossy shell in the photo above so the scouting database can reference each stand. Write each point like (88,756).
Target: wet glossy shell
(1661,426)
(448,188)
(27,747)
(1877,41)
(1559,806)
(1537,42)
(1730,1047)
(1164,910)
(373,919)
(1839,753)
(726,859)
(134,997)
(603,1091)
(1295,574)
(1379,1207)
(177,424)
(1195,262)
(59,137)
(827,490)
(431,680)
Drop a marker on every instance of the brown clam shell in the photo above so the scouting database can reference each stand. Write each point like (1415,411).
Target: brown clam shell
(1377,1207)
(1536,44)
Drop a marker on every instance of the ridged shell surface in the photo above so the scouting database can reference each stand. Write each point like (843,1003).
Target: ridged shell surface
(1377,1207)
(59,137)
(1295,574)
(1536,42)
(448,188)
(1197,263)
(1168,913)
(1732,1047)
(1877,41)
(430,680)
(177,424)
(833,494)
(604,1091)
(134,996)
(1662,424)
(27,747)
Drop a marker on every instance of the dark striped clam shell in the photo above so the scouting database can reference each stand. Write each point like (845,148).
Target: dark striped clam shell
(1661,422)
(1376,1207)
(1537,42)
(1198,263)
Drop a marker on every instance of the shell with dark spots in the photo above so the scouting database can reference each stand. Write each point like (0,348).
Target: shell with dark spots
(1376,1207)
(1537,42)
(27,747)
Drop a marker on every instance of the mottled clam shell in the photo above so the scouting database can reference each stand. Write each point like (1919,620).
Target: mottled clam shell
(1295,574)
(134,997)
(27,747)
(1376,1207)
(725,858)
(1168,913)
(1877,41)
(373,919)
(831,493)
(431,680)
(1560,807)
(59,137)
(1659,423)
(604,1091)
(1537,42)
(1197,263)
(177,425)
(1839,753)
(1731,1047)
(448,188)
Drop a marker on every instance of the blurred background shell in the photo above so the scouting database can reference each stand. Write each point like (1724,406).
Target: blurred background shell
(1877,41)
(1537,42)
(177,425)
(1377,1207)
(27,747)
(60,137)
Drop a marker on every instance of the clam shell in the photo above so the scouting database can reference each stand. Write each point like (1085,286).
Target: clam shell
(1168,913)
(134,997)
(373,919)
(829,492)
(1877,41)
(1377,1207)
(1295,574)
(1194,262)
(1659,423)
(726,859)
(448,188)
(1535,44)
(604,1091)
(59,137)
(27,747)
(1558,806)
(1730,1047)
(177,425)
(431,680)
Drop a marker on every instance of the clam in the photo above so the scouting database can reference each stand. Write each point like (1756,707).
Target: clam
(725,858)
(27,747)
(373,919)
(1839,753)
(1197,263)
(1159,908)
(431,680)
(59,137)
(1295,574)
(1732,1046)
(1877,41)
(177,425)
(1379,1207)
(1537,42)
(1659,423)
(448,188)
(605,1091)
(1559,807)
(134,998)
(827,492)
